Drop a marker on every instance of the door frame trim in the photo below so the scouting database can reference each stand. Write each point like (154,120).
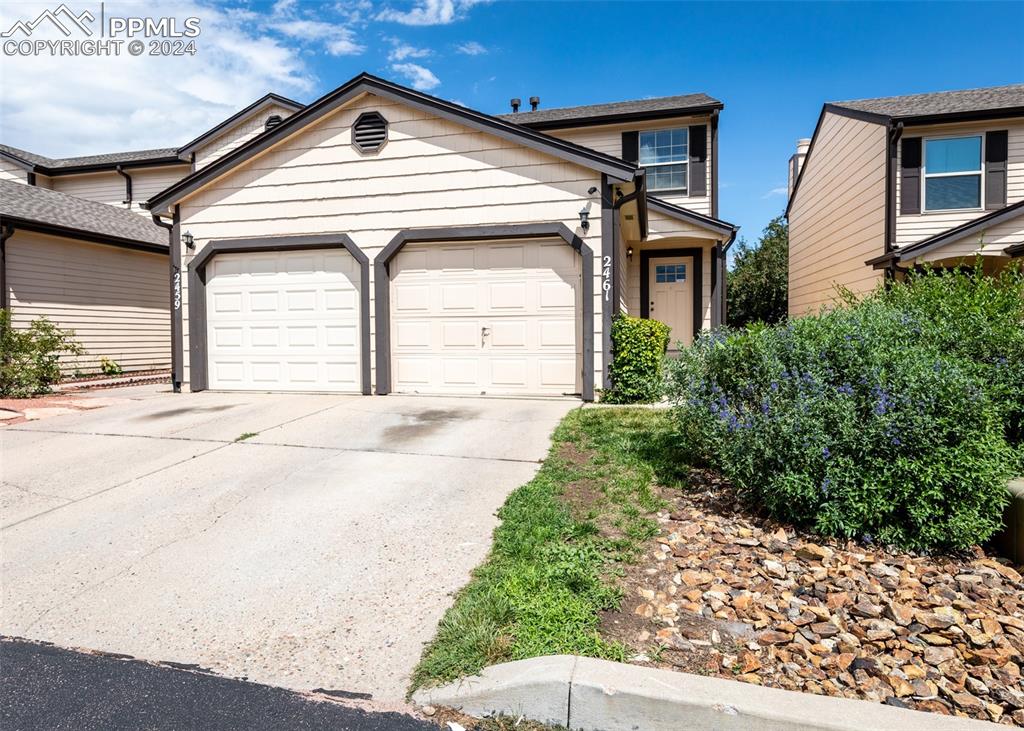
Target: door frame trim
(382,281)
(697,254)
(197,341)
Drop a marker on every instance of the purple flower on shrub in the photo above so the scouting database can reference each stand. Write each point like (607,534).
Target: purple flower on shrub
(825,485)
(846,389)
(896,442)
(868,538)
(826,453)
(775,386)
(764,406)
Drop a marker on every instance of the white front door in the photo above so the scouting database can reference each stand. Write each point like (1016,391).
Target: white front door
(283,321)
(670,285)
(495,318)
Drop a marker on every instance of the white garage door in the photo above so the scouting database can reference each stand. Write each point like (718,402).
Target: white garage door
(283,321)
(486,318)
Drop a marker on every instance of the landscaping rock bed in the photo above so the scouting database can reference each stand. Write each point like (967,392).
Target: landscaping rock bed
(725,592)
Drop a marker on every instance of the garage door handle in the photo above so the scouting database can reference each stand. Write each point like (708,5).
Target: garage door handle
(484,332)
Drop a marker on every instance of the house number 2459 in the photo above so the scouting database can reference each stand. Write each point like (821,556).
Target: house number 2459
(177,290)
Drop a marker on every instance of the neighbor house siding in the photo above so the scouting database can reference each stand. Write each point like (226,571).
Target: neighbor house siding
(109,187)
(837,220)
(114,299)
(431,173)
(10,171)
(608,139)
(237,135)
(915,227)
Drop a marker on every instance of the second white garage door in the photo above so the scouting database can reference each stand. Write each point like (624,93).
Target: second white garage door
(497,318)
(283,321)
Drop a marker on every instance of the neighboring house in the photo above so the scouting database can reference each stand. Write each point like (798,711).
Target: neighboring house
(893,183)
(79,248)
(383,240)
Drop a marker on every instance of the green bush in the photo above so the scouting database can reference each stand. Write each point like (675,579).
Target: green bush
(109,367)
(29,359)
(758,284)
(638,355)
(896,419)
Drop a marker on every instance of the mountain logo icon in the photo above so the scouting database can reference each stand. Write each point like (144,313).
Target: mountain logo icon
(62,18)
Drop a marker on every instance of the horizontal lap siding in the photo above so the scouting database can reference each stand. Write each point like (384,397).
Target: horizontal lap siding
(237,135)
(115,300)
(106,187)
(916,227)
(10,171)
(991,241)
(431,173)
(837,221)
(608,139)
(149,181)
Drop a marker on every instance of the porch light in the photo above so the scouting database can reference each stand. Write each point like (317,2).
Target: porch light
(629,253)
(188,240)
(585,219)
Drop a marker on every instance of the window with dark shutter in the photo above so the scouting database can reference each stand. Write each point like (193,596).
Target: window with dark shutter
(996,148)
(630,146)
(698,160)
(370,132)
(910,175)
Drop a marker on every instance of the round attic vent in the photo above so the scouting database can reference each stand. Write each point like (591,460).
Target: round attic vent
(370,132)
(272,121)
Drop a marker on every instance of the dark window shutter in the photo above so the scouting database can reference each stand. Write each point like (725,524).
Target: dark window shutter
(995,169)
(698,146)
(910,175)
(631,146)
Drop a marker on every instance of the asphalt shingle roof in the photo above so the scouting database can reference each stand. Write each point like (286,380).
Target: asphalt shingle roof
(110,158)
(32,203)
(637,106)
(941,102)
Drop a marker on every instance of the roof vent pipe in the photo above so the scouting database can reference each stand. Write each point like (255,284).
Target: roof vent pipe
(534,103)
(515,104)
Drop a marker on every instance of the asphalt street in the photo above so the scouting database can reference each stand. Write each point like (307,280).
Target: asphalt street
(47,687)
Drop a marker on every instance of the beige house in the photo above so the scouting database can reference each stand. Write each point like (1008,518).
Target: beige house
(892,183)
(79,248)
(383,240)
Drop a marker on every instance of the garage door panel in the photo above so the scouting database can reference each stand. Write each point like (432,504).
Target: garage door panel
(284,321)
(488,328)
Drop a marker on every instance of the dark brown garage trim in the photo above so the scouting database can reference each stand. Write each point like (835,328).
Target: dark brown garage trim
(382,279)
(698,281)
(197,345)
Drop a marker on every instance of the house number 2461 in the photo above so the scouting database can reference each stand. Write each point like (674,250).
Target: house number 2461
(606,277)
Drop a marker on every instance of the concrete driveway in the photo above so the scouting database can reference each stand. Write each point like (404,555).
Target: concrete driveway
(320,553)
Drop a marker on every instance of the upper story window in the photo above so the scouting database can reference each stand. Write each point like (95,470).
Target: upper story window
(663,153)
(952,173)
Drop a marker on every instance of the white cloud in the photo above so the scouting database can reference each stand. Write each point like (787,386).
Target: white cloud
(421,78)
(471,48)
(60,106)
(337,39)
(429,12)
(776,191)
(401,51)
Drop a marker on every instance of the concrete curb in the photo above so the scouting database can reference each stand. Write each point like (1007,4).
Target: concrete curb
(585,694)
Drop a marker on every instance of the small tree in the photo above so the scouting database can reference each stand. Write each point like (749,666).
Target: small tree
(29,359)
(757,287)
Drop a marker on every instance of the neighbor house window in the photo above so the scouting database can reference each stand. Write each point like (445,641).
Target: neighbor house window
(952,173)
(663,153)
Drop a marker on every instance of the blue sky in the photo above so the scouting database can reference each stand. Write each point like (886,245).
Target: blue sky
(773,64)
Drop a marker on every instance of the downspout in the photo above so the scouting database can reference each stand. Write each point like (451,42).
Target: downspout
(714,163)
(174,248)
(894,131)
(5,233)
(724,279)
(128,189)
(30,178)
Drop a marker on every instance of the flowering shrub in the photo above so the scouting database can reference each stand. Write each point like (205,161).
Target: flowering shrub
(29,357)
(638,354)
(896,419)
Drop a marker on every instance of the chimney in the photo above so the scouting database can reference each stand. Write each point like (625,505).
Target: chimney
(797,161)
(515,104)
(534,103)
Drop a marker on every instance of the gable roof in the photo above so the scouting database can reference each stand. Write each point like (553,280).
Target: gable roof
(257,106)
(946,237)
(639,109)
(992,101)
(708,223)
(63,165)
(614,167)
(39,209)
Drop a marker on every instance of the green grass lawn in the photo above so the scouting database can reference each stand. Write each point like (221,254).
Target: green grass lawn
(552,567)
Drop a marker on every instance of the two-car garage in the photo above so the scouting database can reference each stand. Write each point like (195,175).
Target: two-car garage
(468,314)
